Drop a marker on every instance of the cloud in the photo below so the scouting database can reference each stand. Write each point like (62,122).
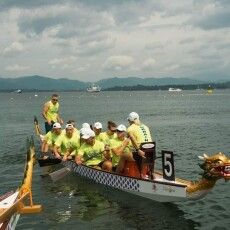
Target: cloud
(96,39)
(13,49)
(118,62)
(149,63)
(70,21)
(214,15)
(63,63)
(16,68)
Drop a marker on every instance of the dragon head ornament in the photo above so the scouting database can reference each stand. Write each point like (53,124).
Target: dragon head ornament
(216,166)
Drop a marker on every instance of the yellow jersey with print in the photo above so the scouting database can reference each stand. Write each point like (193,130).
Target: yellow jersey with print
(52,112)
(105,138)
(67,143)
(140,132)
(92,155)
(115,143)
(51,137)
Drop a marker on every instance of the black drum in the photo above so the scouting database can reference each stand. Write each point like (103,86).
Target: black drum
(150,151)
(150,154)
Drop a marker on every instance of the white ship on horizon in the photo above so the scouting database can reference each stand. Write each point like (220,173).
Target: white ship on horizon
(94,88)
(175,90)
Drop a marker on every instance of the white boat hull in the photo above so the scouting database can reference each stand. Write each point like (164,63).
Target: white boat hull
(7,203)
(157,189)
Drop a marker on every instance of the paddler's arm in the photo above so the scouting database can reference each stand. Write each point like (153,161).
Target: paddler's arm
(119,150)
(44,113)
(65,157)
(56,153)
(106,153)
(135,145)
(79,158)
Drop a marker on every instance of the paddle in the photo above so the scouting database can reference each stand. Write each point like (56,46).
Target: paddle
(38,129)
(48,161)
(56,175)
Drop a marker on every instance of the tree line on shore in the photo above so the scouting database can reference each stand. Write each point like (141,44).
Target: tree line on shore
(225,85)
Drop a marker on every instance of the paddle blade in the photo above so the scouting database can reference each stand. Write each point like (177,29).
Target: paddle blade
(59,173)
(48,161)
(37,127)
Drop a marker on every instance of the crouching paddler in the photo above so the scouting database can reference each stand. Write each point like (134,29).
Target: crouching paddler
(92,152)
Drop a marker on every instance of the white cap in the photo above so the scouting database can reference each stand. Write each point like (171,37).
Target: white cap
(69,126)
(121,128)
(85,125)
(133,116)
(82,131)
(87,133)
(56,125)
(97,125)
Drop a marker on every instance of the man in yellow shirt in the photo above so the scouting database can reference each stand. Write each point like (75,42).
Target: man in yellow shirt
(91,152)
(51,113)
(138,132)
(67,143)
(50,138)
(121,149)
(110,133)
(97,128)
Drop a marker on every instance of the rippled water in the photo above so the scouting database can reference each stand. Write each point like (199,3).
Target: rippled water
(189,124)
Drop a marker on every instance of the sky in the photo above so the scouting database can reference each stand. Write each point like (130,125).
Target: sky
(89,40)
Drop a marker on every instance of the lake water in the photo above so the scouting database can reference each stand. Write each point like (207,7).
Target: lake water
(189,123)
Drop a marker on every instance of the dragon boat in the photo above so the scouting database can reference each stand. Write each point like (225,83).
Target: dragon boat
(156,185)
(163,187)
(12,204)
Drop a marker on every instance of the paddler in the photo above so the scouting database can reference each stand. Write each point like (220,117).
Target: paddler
(92,151)
(67,144)
(110,133)
(51,113)
(50,138)
(99,135)
(121,148)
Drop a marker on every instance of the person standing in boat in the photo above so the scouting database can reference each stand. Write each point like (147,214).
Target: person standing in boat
(138,132)
(67,144)
(51,113)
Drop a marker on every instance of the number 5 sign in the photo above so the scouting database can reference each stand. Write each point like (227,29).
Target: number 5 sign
(168,165)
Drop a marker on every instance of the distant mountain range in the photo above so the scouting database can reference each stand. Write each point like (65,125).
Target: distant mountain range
(44,83)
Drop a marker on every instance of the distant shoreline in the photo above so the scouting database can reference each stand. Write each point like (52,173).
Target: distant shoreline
(225,85)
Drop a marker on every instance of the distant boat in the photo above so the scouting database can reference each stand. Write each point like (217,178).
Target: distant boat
(175,90)
(209,90)
(94,88)
(18,91)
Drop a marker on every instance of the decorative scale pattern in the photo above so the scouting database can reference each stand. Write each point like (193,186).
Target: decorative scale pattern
(105,178)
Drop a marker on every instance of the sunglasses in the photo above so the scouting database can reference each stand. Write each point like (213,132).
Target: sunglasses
(118,131)
(54,99)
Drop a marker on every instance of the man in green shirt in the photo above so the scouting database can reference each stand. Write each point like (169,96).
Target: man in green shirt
(91,152)
(50,138)
(121,148)
(67,143)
